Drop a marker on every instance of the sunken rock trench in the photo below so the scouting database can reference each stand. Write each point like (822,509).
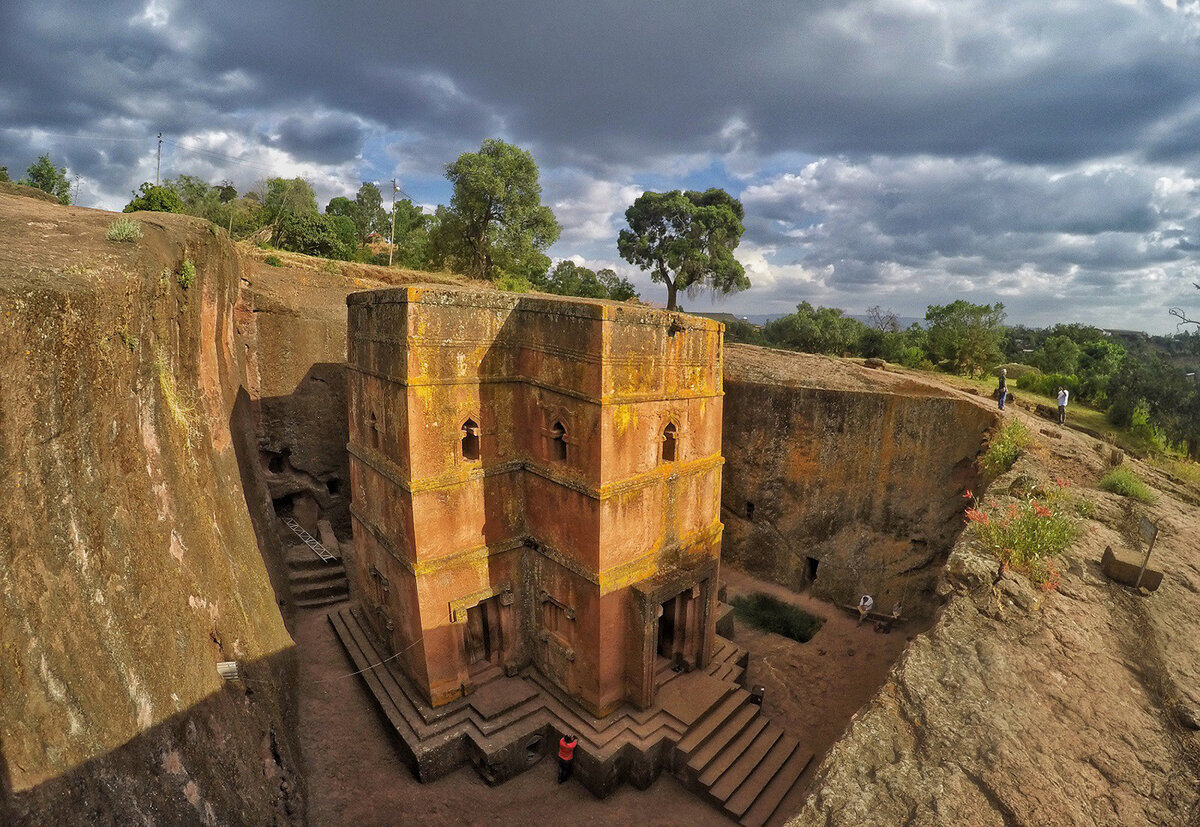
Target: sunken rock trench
(844,480)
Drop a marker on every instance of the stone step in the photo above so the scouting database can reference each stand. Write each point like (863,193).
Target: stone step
(769,799)
(301,557)
(361,655)
(483,672)
(314,590)
(319,602)
(757,781)
(703,729)
(733,752)
(325,571)
(734,726)
(744,766)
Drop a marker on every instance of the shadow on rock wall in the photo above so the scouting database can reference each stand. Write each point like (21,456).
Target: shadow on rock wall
(188,769)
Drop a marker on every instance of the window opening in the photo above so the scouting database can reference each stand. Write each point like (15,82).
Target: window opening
(669,443)
(334,486)
(558,442)
(811,566)
(373,427)
(749,510)
(470,440)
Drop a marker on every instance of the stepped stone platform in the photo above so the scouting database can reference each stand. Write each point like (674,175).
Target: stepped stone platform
(703,727)
(315,582)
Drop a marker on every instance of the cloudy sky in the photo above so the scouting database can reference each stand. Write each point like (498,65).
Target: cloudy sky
(894,152)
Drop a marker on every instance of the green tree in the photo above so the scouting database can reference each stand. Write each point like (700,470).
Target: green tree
(369,215)
(965,336)
(313,234)
(1058,354)
(570,279)
(815,330)
(341,205)
(686,240)
(48,178)
(154,199)
(496,223)
(287,197)
(4,174)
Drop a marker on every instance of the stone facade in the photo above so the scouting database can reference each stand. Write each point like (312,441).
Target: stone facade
(535,480)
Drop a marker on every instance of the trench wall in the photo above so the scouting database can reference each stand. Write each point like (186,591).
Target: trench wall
(846,491)
(129,564)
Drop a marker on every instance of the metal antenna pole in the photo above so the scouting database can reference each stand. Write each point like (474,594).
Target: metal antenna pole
(392,240)
(158,163)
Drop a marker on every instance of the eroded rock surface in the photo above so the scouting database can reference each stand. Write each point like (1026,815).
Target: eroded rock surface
(1025,708)
(128,563)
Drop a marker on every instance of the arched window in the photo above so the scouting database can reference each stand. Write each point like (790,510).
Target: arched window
(558,442)
(470,440)
(669,443)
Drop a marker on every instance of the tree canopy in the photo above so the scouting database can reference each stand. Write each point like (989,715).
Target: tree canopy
(686,240)
(154,199)
(966,336)
(570,279)
(44,175)
(496,223)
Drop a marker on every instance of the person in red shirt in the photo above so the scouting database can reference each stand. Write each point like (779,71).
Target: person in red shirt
(566,756)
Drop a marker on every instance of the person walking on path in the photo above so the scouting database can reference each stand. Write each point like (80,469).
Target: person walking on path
(1063,394)
(1002,391)
(566,756)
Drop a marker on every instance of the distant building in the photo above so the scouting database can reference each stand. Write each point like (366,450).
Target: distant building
(536,481)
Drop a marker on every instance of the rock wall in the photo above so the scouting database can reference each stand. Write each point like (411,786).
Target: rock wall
(844,479)
(128,563)
(1020,707)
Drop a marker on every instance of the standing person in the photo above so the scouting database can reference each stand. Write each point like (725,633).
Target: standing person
(566,756)
(1002,391)
(1063,394)
(865,604)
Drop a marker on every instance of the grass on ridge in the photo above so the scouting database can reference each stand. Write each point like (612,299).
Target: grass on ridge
(1124,482)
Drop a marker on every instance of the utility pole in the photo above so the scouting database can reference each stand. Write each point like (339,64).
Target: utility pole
(392,240)
(158,163)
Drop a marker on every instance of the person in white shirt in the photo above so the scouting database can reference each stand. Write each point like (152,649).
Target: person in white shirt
(865,604)
(1063,393)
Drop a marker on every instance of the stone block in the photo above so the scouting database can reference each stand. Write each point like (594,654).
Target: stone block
(1123,566)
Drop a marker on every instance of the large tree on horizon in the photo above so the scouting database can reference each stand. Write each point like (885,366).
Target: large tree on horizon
(686,240)
(496,223)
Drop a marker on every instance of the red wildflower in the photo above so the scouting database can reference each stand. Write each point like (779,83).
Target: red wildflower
(974,515)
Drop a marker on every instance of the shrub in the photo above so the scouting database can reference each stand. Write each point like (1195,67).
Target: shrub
(273,261)
(771,614)
(187,274)
(1025,535)
(1124,482)
(123,229)
(1006,446)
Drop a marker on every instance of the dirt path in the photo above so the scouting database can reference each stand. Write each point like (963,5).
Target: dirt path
(355,776)
(813,689)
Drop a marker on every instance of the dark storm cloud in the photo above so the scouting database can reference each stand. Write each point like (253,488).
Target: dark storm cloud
(961,146)
(329,137)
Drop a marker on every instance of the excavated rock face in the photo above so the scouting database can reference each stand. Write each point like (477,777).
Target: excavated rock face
(1019,707)
(842,479)
(128,564)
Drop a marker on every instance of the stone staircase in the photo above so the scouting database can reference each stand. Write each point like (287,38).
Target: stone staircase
(315,582)
(703,726)
(739,760)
